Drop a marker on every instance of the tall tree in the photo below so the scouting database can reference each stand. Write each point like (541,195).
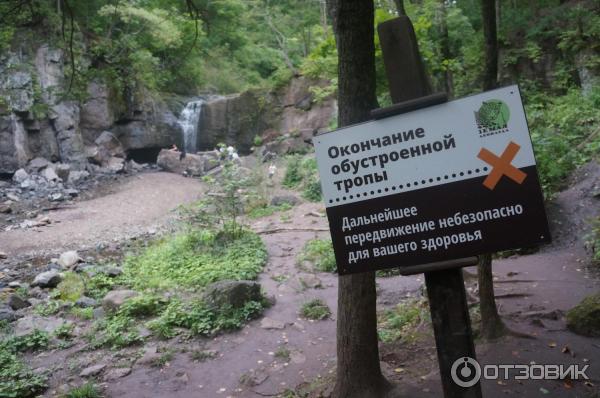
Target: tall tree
(358,370)
(442,16)
(492,326)
(488,18)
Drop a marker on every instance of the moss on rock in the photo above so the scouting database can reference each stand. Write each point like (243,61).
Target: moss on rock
(584,318)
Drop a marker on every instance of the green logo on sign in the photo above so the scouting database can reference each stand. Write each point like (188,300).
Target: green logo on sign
(492,117)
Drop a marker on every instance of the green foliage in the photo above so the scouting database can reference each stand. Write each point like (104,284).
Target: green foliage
(195,259)
(71,287)
(593,241)
(65,331)
(583,318)
(402,322)
(115,331)
(282,353)
(259,212)
(17,380)
(36,340)
(98,285)
(319,252)
(83,313)
(222,208)
(315,309)
(52,307)
(88,390)
(200,319)
(565,134)
(301,173)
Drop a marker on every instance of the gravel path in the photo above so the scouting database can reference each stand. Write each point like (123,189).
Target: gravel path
(133,207)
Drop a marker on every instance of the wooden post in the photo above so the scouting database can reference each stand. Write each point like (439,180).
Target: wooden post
(446,290)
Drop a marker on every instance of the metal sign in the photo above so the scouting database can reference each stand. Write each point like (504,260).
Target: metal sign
(444,182)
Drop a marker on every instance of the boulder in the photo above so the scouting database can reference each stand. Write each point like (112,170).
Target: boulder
(116,165)
(191,164)
(62,170)
(50,175)
(232,293)
(20,176)
(91,371)
(279,200)
(5,208)
(17,303)
(37,164)
(65,121)
(116,373)
(85,302)
(77,176)
(29,324)
(108,142)
(8,314)
(47,279)
(115,298)
(584,318)
(69,259)
(268,323)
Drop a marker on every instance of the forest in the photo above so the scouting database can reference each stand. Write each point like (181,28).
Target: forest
(163,230)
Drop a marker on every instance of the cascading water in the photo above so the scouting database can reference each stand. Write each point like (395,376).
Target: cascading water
(189,121)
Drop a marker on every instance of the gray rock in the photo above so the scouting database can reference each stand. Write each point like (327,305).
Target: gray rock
(232,293)
(92,370)
(5,209)
(69,259)
(37,164)
(63,170)
(115,298)
(47,279)
(116,165)
(28,324)
(116,373)
(85,302)
(20,176)
(96,112)
(310,281)
(113,271)
(279,200)
(7,314)
(49,174)
(73,193)
(13,197)
(3,255)
(150,356)
(268,323)
(77,176)
(191,164)
(16,302)
(99,313)
(56,197)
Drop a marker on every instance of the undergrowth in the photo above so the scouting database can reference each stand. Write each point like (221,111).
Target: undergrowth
(315,309)
(319,252)
(403,321)
(301,174)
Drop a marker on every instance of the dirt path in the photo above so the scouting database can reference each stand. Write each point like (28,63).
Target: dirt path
(140,204)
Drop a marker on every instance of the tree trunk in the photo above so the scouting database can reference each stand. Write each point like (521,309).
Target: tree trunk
(492,326)
(488,17)
(445,46)
(358,370)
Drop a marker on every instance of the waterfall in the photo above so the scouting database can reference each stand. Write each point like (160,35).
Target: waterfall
(189,121)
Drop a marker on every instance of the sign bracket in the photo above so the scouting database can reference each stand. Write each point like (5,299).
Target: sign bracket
(409,105)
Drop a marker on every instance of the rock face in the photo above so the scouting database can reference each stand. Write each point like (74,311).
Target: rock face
(29,324)
(232,293)
(191,164)
(233,120)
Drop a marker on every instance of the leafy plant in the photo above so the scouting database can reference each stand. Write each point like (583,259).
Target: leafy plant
(403,321)
(17,380)
(315,309)
(319,252)
(88,390)
(301,173)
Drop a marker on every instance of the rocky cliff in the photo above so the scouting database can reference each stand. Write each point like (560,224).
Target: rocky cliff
(39,119)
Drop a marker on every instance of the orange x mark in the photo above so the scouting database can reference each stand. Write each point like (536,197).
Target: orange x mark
(502,165)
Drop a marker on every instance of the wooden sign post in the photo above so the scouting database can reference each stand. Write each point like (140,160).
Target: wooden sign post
(445,287)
